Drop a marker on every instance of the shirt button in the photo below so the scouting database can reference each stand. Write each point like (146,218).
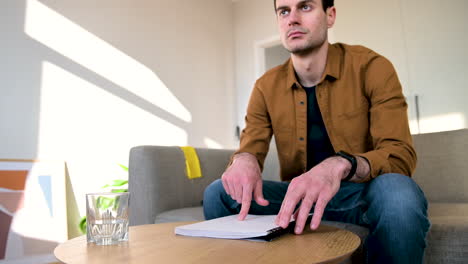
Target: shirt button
(301,139)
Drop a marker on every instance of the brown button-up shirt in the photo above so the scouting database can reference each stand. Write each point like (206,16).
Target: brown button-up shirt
(362,106)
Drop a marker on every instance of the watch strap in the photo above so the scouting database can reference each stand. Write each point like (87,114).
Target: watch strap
(352,159)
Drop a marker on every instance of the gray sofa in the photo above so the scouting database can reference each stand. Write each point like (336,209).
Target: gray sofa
(161,192)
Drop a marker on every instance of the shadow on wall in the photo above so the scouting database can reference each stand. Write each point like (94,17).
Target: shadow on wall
(83,56)
(20,76)
(79,48)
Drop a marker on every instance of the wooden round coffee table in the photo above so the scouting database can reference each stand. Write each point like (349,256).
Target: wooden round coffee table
(158,244)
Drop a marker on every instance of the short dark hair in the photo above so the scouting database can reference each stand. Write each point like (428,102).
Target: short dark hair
(325,3)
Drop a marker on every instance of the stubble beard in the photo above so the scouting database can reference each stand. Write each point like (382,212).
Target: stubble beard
(309,45)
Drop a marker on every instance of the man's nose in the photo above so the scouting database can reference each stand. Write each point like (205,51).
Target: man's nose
(293,18)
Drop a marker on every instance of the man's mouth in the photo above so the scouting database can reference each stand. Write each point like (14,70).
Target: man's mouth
(295,33)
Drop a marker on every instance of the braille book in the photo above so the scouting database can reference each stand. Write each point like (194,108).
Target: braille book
(254,227)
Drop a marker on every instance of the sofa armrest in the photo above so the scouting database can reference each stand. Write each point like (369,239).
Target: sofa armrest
(158,182)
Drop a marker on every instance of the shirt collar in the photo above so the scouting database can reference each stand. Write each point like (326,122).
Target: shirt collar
(332,68)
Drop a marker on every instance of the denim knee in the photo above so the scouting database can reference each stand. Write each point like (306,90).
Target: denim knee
(396,194)
(397,218)
(396,190)
(216,202)
(213,191)
(397,202)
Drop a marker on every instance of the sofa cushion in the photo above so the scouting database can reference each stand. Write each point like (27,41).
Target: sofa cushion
(448,236)
(448,210)
(183,214)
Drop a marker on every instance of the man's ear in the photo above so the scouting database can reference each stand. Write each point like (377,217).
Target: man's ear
(331,16)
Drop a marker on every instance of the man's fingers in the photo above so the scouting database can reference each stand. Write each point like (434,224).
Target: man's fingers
(246,201)
(295,215)
(303,213)
(287,208)
(238,193)
(278,216)
(226,186)
(232,191)
(318,212)
(229,188)
(258,194)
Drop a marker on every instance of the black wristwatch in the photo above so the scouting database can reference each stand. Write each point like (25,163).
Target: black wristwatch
(351,159)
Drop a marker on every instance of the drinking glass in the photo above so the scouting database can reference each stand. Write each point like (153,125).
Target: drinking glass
(107,217)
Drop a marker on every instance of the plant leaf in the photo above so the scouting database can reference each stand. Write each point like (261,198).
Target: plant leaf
(123,167)
(105,202)
(82,225)
(116,183)
(119,190)
(119,182)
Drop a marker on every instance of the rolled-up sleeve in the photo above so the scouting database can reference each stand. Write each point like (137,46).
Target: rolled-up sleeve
(256,136)
(393,150)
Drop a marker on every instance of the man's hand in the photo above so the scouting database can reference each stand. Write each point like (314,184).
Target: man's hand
(242,179)
(319,186)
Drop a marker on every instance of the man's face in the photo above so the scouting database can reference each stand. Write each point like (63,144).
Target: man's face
(303,24)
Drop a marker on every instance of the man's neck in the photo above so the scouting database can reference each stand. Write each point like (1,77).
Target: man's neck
(310,67)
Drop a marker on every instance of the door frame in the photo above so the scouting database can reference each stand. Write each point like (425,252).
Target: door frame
(259,51)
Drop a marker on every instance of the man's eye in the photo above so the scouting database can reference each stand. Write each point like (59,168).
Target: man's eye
(306,7)
(283,12)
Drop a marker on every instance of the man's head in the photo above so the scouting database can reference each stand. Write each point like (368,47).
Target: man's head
(325,3)
(304,24)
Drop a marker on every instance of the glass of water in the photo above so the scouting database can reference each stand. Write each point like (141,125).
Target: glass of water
(107,217)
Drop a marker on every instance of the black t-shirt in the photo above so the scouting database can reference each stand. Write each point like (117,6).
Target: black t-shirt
(319,146)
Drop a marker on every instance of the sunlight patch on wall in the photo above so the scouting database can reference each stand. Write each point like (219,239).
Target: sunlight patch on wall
(414,127)
(72,41)
(210,143)
(93,130)
(79,115)
(445,122)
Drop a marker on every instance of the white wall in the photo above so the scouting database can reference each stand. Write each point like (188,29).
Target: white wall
(437,56)
(84,81)
(255,21)
(425,40)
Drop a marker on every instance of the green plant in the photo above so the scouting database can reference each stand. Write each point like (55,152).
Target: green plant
(107,202)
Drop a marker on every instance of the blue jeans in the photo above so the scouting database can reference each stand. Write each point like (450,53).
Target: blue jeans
(392,206)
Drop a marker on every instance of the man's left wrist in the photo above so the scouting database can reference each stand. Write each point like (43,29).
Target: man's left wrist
(352,161)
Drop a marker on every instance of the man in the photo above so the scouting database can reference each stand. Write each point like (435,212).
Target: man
(340,124)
